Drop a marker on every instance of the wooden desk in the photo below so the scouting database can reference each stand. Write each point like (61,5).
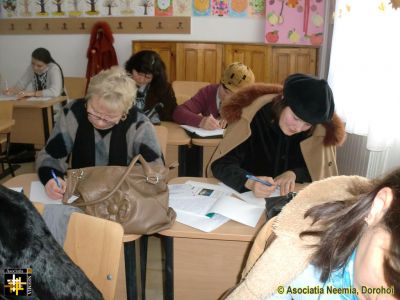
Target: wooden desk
(177,143)
(205,264)
(33,121)
(205,152)
(5,124)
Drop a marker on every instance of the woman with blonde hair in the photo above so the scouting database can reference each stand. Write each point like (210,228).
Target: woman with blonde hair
(105,128)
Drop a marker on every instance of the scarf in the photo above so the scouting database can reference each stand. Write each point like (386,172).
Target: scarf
(83,152)
(40,81)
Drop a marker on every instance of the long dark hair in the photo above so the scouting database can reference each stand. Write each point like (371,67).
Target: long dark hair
(344,224)
(43,55)
(149,62)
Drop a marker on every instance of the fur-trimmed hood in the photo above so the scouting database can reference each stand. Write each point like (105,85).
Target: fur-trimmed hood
(232,110)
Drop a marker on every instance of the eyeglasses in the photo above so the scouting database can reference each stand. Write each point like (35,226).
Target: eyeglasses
(97,118)
(144,75)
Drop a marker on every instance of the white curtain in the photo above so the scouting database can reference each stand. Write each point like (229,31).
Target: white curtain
(364,70)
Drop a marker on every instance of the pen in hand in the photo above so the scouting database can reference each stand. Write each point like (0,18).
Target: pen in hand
(252,177)
(55,178)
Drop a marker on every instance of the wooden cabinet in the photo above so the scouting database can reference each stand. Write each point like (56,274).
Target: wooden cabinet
(198,62)
(206,61)
(286,61)
(253,56)
(166,50)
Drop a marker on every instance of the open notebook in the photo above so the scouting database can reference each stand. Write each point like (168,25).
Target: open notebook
(208,206)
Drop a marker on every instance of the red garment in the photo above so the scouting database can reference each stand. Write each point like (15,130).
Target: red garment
(101,53)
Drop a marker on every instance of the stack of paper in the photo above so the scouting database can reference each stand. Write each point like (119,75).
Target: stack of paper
(207,206)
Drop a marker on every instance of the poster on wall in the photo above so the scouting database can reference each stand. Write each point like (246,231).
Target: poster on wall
(299,22)
(201,8)
(182,7)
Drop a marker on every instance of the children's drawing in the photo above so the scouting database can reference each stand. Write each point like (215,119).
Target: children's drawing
(201,8)
(144,8)
(220,8)
(59,10)
(297,22)
(24,7)
(257,8)
(238,8)
(42,5)
(92,8)
(163,8)
(126,7)
(74,8)
(109,4)
(182,7)
(10,8)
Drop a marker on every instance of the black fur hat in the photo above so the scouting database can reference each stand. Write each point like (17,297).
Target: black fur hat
(310,98)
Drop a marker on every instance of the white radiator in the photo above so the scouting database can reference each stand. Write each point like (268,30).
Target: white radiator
(353,158)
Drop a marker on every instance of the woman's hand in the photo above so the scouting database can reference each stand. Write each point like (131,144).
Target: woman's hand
(23,94)
(286,181)
(209,123)
(9,92)
(261,190)
(222,123)
(52,189)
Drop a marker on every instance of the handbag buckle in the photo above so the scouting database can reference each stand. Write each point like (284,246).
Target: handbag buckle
(79,174)
(152,179)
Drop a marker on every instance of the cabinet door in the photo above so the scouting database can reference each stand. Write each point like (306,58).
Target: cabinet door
(166,50)
(198,62)
(286,61)
(253,56)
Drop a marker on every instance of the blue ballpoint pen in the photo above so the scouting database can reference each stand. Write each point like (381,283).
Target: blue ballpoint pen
(55,178)
(252,177)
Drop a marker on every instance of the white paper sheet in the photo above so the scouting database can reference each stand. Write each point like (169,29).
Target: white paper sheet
(38,194)
(199,205)
(38,98)
(6,98)
(249,196)
(238,210)
(18,189)
(202,223)
(203,132)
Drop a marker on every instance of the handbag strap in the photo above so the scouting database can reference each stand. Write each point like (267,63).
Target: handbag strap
(150,177)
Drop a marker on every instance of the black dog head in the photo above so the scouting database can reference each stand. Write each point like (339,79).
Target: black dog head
(26,242)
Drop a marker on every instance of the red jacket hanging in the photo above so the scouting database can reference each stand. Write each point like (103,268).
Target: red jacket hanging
(101,53)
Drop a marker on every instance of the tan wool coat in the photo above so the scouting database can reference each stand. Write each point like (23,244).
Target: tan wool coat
(319,150)
(288,255)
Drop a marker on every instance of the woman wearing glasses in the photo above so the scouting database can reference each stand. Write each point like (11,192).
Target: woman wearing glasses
(202,110)
(105,128)
(148,70)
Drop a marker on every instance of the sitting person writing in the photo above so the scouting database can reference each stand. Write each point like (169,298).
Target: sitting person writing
(44,74)
(337,239)
(155,96)
(280,138)
(202,110)
(103,129)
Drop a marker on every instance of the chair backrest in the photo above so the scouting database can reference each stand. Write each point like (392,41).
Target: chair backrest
(94,244)
(184,90)
(75,87)
(162,136)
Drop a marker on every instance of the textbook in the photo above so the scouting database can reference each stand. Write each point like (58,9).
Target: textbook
(204,203)
(203,133)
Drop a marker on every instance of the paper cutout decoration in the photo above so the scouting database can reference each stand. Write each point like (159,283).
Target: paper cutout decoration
(238,8)
(220,8)
(163,8)
(75,8)
(182,7)
(297,22)
(144,8)
(9,8)
(257,8)
(126,7)
(201,7)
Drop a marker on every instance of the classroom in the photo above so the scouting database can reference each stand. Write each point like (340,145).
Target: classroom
(346,52)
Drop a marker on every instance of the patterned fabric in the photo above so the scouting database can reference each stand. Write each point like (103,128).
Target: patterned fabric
(137,131)
(40,81)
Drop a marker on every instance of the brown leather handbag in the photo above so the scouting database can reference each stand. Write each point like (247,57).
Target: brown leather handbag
(135,196)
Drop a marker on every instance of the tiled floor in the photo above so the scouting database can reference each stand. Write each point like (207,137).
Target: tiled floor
(154,283)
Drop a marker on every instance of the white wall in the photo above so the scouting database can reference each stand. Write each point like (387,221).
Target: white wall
(70,50)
